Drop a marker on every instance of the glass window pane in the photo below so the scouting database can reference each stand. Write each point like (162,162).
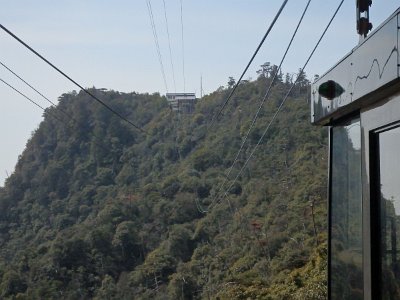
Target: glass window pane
(389,167)
(346,276)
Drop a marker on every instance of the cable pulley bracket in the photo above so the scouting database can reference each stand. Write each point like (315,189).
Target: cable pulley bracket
(363,24)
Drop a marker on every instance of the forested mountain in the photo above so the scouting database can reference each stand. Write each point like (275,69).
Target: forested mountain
(97,209)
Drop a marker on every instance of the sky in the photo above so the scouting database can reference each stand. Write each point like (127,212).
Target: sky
(110,44)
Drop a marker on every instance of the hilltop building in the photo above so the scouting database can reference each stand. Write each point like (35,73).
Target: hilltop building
(182,102)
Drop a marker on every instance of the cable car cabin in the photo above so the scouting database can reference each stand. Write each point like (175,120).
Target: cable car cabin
(359,99)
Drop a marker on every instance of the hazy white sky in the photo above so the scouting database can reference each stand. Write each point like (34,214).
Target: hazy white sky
(109,44)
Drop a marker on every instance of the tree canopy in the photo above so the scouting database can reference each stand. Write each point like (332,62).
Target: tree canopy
(95,209)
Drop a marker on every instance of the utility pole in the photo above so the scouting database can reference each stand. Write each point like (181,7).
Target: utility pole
(363,24)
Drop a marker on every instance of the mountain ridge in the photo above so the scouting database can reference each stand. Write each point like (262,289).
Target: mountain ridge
(98,210)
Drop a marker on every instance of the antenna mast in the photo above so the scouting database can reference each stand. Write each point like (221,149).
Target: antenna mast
(201,86)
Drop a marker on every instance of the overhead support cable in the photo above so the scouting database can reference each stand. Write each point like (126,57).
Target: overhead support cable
(20,78)
(183,50)
(23,95)
(263,100)
(215,116)
(73,81)
(157,44)
(44,109)
(34,89)
(40,94)
(281,104)
(169,46)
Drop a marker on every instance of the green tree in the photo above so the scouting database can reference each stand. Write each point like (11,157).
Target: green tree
(231,82)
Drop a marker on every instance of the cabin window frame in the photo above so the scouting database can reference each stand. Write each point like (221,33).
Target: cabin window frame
(381,116)
(376,209)
(343,122)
